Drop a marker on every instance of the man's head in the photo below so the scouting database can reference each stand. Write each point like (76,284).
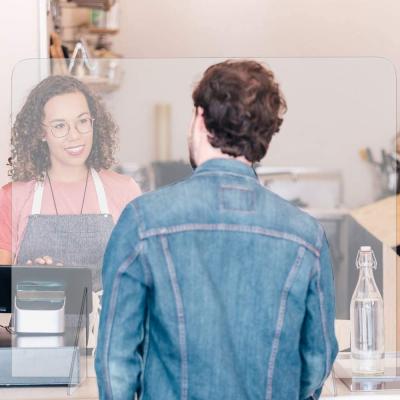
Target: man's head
(238,108)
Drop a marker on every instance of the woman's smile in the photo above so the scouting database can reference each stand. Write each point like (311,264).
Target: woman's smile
(75,151)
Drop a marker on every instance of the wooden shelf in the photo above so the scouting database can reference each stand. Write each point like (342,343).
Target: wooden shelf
(102,31)
(380,219)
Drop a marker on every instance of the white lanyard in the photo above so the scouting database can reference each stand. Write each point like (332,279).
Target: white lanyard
(98,184)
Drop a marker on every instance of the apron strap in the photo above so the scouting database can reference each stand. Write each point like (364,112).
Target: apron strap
(37,198)
(98,184)
(101,194)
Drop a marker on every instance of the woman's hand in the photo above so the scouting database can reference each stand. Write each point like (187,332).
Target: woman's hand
(45,260)
(5,257)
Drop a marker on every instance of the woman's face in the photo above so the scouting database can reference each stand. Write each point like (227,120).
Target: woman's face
(68,129)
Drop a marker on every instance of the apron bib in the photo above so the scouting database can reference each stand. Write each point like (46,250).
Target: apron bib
(73,240)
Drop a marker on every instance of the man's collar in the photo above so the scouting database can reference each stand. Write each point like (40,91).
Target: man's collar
(226,165)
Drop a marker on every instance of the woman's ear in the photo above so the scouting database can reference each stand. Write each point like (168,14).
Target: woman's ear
(43,138)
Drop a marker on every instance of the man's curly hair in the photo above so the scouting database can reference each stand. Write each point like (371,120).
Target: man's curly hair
(30,157)
(243,107)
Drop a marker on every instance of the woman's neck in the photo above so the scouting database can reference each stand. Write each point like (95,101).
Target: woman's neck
(67,174)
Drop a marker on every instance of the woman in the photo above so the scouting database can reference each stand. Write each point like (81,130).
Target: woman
(64,200)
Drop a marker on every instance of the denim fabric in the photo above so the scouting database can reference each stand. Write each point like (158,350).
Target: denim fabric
(216,288)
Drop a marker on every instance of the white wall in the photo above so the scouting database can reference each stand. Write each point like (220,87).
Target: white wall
(255,28)
(332,113)
(278,28)
(19,39)
(227,28)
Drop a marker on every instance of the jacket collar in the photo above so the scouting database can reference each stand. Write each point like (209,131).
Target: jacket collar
(226,165)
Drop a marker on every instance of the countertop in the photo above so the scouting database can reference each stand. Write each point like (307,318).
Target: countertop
(88,389)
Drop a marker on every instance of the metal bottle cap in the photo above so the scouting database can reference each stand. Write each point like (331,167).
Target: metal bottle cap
(366,257)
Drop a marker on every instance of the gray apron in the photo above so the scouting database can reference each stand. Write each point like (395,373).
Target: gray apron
(73,240)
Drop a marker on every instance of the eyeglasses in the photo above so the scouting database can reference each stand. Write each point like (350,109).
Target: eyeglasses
(61,128)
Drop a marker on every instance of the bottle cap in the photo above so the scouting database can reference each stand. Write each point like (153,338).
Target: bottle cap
(365,248)
(366,257)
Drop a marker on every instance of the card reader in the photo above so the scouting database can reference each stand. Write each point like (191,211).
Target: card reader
(39,308)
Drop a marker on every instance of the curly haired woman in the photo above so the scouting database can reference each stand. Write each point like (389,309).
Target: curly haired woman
(64,200)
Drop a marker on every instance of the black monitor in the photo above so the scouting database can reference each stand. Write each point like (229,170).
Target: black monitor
(74,279)
(5,289)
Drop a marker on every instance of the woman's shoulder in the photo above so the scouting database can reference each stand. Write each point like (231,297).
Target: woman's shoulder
(5,194)
(116,177)
(17,188)
(7,188)
(120,182)
(18,194)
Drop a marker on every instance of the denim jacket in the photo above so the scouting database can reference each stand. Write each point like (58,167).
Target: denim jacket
(216,289)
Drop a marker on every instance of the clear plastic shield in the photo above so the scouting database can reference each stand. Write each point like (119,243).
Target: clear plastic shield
(79,365)
(336,157)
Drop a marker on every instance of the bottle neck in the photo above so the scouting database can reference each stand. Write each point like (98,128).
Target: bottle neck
(366,277)
(367,271)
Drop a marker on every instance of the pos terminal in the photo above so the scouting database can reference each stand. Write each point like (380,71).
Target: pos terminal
(48,328)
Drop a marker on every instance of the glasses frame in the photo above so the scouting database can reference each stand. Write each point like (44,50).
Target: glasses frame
(69,128)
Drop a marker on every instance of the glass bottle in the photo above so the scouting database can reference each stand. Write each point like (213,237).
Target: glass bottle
(366,318)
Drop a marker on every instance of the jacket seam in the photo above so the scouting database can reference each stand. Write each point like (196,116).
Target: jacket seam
(181,319)
(253,178)
(145,352)
(235,187)
(321,298)
(146,266)
(280,321)
(230,228)
(147,270)
(138,218)
(318,245)
(320,238)
(110,317)
(321,302)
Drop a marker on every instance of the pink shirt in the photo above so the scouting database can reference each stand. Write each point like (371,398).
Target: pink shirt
(16,202)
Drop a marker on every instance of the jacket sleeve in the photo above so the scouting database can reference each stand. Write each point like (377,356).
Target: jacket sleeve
(121,332)
(318,345)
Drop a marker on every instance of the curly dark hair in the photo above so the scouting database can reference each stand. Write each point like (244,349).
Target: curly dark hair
(243,107)
(30,155)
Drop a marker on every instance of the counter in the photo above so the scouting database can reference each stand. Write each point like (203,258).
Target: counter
(88,390)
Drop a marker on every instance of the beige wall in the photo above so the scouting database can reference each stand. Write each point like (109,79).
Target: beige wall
(273,28)
(332,114)
(260,28)
(284,28)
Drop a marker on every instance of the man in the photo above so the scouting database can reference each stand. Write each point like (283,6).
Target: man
(215,288)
